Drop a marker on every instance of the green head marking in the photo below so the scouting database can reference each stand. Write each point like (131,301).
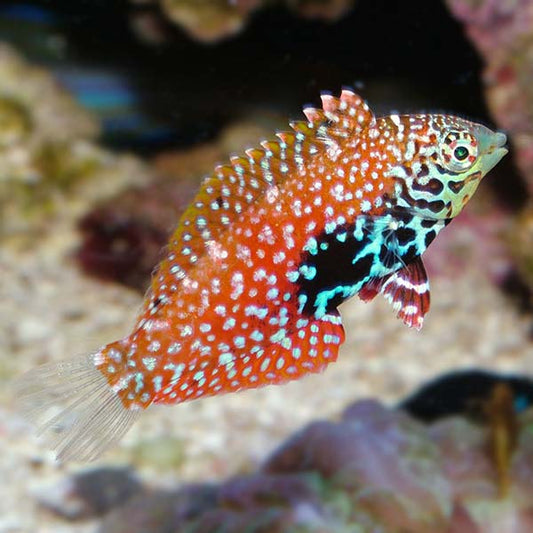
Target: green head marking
(440,160)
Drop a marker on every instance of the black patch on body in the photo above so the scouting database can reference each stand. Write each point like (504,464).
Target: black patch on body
(335,266)
(405,235)
(387,257)
(411,254)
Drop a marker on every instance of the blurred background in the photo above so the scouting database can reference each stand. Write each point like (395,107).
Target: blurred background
(111,113)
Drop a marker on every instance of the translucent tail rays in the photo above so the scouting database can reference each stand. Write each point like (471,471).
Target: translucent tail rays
(75,410)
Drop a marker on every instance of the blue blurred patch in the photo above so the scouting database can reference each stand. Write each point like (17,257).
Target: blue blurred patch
(521,403)
(27,13)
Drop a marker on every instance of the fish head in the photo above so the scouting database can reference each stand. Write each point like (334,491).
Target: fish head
(466,153)
(443,159)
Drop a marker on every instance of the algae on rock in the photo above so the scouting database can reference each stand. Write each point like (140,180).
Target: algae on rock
(47,149)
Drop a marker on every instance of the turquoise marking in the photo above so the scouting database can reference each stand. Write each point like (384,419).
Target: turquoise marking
(257,336)
(278,336)
(139,382)
(157,381)
(302,323)
(149,363)
(293,276)
(330,227)
(341,237)
(286,343)
(308,272)
(239,342)
(225,358)
(302,300)
(311,246)
(178,371)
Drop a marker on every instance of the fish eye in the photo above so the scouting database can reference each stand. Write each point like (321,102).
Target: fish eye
(459,151)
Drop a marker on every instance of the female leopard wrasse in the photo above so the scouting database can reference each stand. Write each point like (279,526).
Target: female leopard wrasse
(247,295)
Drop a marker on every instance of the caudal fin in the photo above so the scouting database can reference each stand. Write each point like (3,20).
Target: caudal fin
(74,408)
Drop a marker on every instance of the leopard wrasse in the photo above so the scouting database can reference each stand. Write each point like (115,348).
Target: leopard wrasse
(247,295)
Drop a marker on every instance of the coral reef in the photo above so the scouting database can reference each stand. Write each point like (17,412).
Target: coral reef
(212,20)
(375,469)
(90,493)
(520,238)
(47,149)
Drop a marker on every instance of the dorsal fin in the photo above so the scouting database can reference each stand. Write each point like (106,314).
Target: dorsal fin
(231,189)
(341,117)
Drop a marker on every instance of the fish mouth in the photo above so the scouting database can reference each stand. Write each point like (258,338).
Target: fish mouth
(498,146)
(493,150)
(500,139)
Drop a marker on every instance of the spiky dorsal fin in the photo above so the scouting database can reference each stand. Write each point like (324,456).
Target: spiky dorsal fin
(340,117)
(233,188)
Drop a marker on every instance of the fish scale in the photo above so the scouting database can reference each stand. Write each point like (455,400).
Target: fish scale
(273,242)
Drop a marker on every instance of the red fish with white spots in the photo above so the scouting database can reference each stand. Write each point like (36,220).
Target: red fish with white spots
(247,294)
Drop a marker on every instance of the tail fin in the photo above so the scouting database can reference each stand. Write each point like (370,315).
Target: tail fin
(74,408)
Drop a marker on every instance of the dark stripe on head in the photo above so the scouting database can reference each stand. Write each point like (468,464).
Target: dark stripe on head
(424,171)
(436,207)
(433,186)
(456,186)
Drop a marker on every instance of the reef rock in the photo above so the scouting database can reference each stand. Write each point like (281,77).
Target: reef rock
(48,151)
(212,20)
(90,493)
(376,469)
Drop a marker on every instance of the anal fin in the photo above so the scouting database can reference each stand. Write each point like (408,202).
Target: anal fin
(286,356)
(407,290)
(308,350)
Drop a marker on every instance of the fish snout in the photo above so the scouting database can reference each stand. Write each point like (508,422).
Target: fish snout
(492,148)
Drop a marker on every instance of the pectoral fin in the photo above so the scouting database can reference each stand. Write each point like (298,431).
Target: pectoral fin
(407,290)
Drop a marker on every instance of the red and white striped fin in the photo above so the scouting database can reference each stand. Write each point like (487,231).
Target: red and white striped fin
(407,290)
